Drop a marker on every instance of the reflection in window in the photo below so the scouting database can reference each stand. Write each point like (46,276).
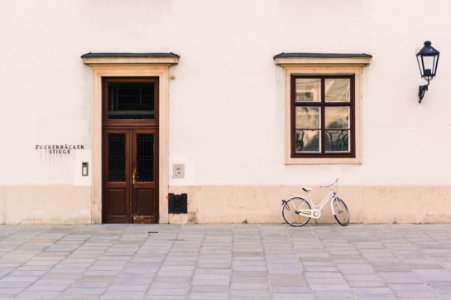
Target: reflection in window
(308,117)
(322,120)
(337,141)
(308,90)
(307,141)
(337,117)
(338,89)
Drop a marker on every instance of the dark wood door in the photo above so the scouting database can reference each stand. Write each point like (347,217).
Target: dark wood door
(130,193)
(130,151)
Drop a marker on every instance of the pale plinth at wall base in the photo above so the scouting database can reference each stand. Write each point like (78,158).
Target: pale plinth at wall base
(178,218)
(233,204)
(261,204)
(45,205)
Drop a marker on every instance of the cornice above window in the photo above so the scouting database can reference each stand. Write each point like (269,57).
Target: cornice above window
(301,58)
(164,58)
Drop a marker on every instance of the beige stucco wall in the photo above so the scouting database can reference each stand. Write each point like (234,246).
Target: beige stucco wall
(45,205)
(262,204)
(226,103)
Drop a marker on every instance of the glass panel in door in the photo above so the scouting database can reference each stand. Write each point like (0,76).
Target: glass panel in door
(144,157)
(116,157)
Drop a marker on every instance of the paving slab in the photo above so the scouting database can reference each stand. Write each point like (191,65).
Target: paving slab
(240,261)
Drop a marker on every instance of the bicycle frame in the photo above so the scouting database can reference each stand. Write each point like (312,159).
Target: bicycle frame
(315,211)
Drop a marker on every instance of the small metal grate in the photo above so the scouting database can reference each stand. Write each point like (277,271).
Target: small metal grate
(178,204)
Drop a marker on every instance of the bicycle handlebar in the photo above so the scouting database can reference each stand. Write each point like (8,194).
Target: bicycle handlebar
(329,185)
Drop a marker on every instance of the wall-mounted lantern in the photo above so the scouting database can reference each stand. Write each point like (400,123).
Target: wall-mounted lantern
(427,59)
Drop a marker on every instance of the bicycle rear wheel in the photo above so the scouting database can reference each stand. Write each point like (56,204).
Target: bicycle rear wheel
(290,211)
(341,212)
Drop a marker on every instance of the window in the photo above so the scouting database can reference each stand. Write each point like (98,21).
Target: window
(322,106)
(130,99)
(322,116)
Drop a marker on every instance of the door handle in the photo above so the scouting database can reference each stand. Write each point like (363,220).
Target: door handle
(134,177)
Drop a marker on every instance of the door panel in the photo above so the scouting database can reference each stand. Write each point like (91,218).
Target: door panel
(117,206)
(130,176)
(144,203)
(116,191)
(145,200)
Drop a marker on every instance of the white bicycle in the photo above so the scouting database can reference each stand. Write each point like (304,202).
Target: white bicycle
(297,210)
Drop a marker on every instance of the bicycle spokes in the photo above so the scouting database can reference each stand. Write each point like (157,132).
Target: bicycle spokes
(292,211)
(341,212)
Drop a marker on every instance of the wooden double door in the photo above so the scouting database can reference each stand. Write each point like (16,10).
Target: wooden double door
(130,151)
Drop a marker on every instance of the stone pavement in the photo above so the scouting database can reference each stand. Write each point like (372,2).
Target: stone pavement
(225,262)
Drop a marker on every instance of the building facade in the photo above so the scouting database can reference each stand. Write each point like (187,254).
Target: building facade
(113,111)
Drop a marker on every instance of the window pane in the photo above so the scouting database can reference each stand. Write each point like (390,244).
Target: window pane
(129,100)
(308,90)
(144,157)
(308,117)
(337,141)
(116,157)
(307,141)
(337,118)
(338,90)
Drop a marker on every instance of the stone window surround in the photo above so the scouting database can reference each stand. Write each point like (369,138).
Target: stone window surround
(321,64)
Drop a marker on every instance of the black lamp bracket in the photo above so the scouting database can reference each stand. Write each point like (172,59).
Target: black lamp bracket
(422,91)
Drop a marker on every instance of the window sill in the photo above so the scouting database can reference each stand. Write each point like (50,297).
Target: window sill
(323,161)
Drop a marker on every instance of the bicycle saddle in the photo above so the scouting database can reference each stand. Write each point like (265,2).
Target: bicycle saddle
(307,189)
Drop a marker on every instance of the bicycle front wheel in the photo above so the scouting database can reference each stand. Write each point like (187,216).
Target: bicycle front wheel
(291,209)
(341,212)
